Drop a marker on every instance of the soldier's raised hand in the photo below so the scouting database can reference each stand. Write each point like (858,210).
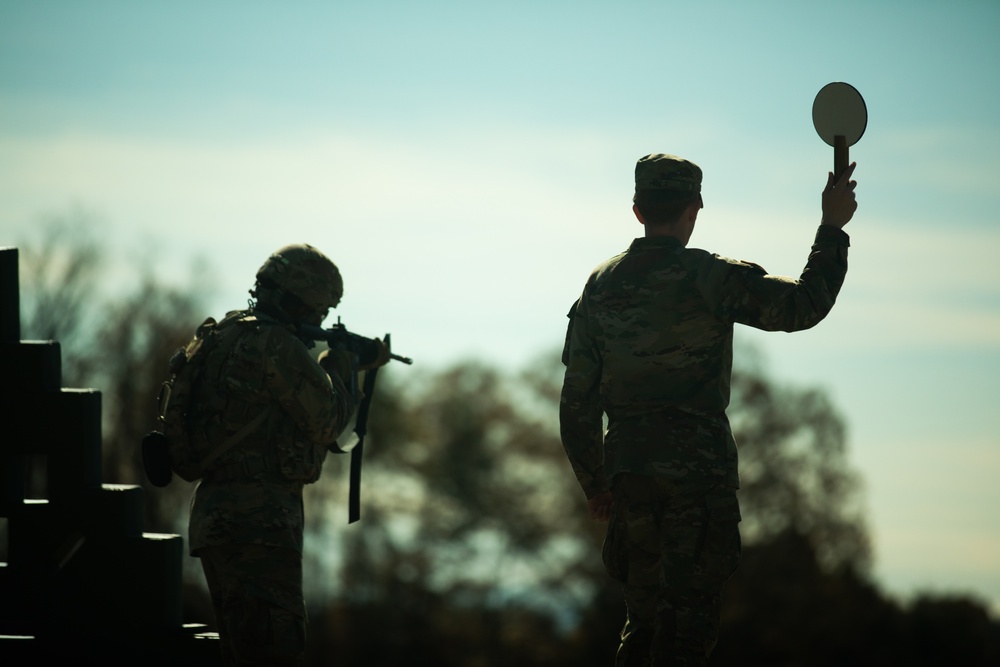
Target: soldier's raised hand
(839,202)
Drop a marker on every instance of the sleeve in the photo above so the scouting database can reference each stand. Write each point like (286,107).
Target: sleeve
(580,416)
(319,405)
(745,293)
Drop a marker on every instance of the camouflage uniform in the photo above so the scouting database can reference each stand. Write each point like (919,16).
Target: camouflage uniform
(247,516)
(649,345)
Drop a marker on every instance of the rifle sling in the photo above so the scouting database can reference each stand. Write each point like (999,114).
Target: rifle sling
(360,429)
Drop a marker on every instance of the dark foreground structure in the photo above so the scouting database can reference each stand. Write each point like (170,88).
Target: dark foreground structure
(79,579)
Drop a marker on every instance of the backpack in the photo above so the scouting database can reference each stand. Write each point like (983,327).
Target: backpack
(174,448)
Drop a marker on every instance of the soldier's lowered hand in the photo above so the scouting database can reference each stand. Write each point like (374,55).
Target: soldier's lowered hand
(600,506)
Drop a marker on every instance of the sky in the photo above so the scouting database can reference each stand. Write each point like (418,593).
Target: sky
(467,164)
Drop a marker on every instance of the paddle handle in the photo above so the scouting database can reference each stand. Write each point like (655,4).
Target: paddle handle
(841,156)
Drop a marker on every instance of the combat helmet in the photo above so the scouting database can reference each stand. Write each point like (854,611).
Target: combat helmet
(305,273)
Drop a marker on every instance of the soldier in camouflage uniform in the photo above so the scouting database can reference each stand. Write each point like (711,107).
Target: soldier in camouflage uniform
(286,410)
(649,345)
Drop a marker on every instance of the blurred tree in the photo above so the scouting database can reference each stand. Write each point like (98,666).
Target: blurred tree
(950,630)
(117,325)
(61,266)
(475,547)
(138,335)
(782,607)
(794,470)
(470,509)
(471,506)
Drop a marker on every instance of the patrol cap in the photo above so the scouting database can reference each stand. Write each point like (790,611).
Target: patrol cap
(668,173)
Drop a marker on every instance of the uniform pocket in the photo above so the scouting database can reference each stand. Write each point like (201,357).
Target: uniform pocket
(723,545)
(723,505)
(614,552)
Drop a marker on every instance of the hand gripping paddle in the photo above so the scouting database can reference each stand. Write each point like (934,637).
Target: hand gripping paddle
(840,118)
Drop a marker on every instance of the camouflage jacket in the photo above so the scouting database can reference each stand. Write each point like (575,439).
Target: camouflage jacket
(649,345)
(253,493)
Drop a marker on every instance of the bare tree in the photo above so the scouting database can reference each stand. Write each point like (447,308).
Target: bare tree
(115,340)
(61,266)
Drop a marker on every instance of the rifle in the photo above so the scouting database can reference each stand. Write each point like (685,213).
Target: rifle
(339,338)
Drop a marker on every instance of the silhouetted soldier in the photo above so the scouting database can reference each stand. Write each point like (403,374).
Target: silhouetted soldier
(262,387)
(649,344)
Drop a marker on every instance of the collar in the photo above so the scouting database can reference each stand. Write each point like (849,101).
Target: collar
(654,242)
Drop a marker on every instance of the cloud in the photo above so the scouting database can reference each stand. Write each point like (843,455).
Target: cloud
(939,159)
(481,217)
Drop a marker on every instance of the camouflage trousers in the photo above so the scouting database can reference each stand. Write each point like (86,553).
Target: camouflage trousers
(672,545)
(259,609)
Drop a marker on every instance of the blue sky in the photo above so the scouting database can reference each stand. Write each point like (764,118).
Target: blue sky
(467,164)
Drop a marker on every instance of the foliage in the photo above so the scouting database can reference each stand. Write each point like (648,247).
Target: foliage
(474,546)
(794,472)
(60,272)
(471,508)
(117,326)
(464,488)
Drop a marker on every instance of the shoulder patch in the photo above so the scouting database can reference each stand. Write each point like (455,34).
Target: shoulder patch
(743,264)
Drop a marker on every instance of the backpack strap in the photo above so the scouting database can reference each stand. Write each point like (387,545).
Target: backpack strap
(235,438)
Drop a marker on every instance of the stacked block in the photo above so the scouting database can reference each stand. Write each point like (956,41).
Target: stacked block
(80,579)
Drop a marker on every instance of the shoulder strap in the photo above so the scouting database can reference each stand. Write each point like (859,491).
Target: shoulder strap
(235,438)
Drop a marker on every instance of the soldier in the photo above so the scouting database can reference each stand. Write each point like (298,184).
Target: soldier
(262,387)
(649,345)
